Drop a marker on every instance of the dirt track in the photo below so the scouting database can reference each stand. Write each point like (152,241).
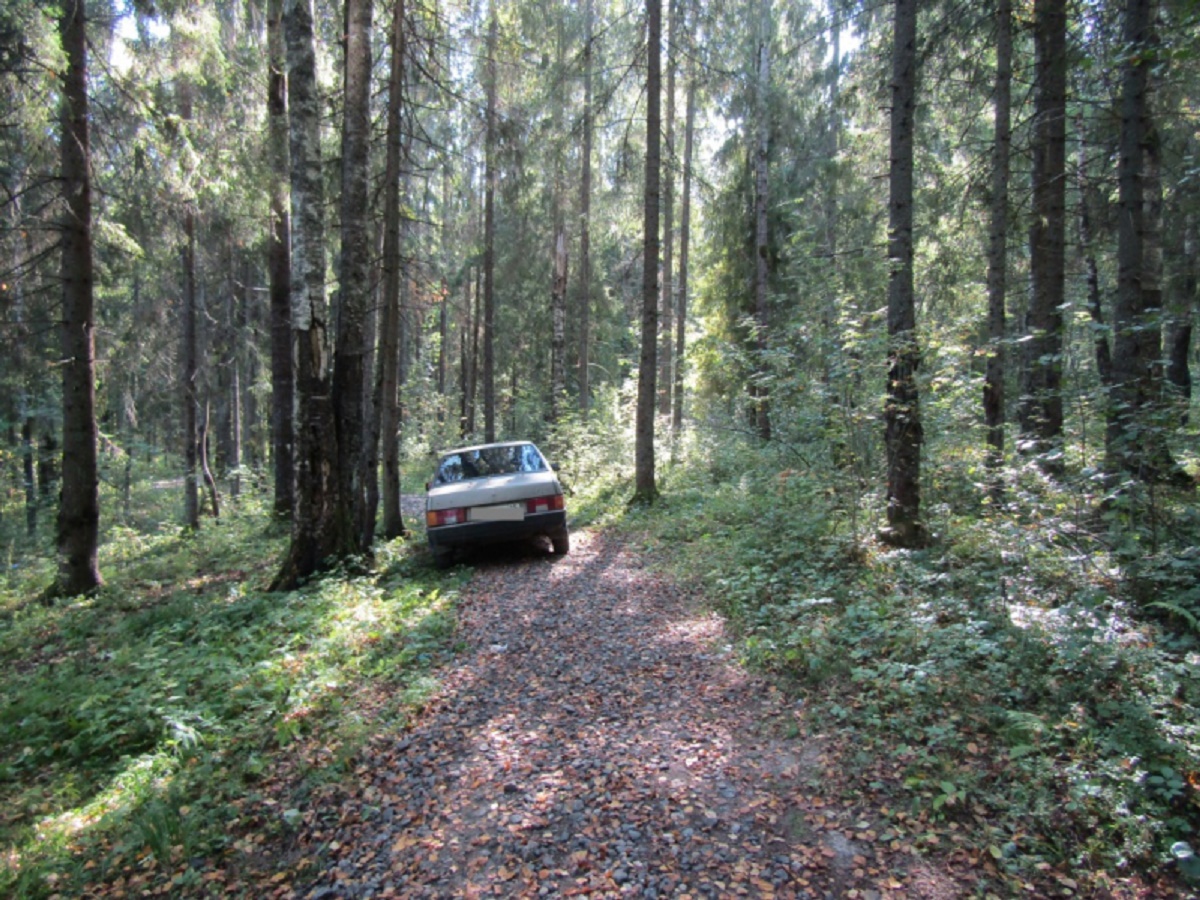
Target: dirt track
(597,738)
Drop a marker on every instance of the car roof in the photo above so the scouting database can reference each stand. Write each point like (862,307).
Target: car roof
(444,453)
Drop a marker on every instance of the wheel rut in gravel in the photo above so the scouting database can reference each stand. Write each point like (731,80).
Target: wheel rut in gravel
(594,737)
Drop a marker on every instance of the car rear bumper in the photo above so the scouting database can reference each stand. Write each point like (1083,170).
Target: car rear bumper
(475,533)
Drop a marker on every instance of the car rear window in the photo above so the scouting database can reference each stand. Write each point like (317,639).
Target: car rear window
(487,461)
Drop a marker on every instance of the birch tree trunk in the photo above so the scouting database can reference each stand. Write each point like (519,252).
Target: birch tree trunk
(685,239)
(314,535)
(279,268)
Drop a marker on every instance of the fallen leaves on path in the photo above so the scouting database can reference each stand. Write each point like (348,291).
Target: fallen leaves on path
(595,739)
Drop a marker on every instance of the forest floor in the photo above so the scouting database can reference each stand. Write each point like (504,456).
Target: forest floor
(596,736)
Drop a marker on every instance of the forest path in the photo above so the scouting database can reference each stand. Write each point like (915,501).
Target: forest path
(596,737)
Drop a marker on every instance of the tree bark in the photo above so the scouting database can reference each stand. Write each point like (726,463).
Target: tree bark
(585,223)
(685,239)
(1100,346)
(902,413)
(279,270)
(388,362)
(1135,438)
(314,536)
(489,239)
(1179,325)
(79,503)
(1041,405)
(355,530)
(191,368)
(666,377)
(558,287)
(645,489)
(758,391)
(997,276)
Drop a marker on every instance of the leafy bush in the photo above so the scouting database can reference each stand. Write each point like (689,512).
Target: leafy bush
(1018,670)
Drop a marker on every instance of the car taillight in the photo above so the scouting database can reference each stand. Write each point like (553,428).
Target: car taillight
(544,504)
(436,518)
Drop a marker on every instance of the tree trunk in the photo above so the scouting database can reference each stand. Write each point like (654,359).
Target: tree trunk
(645,489)
(31,495)
(1100,346)
(902,411)
(685,238)
(997,276)
(191,368)
(205,470)
(79,504)
(666,377)
(558,287)
(758,390)
(585,223)
(279,269)
(354,532)
(1041,405)
(313,539)
(388,363)
(1135,441)
(489,239)
(1179,325)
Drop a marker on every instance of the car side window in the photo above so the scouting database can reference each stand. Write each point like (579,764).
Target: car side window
(531,460)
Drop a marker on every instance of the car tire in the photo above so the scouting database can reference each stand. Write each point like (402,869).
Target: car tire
(560,542)
(443,557)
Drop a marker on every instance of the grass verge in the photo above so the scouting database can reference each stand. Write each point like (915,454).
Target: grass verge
(181,713)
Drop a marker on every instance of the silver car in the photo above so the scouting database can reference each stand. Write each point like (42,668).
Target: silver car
(492,493)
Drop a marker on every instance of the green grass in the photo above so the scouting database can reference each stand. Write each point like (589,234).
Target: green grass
(140,722)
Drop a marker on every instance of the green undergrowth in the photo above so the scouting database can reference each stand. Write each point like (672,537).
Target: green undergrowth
(142,723)
(1030,680)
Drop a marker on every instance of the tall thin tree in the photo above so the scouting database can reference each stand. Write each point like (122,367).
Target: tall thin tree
(997,272)
(79,502)
(645,488)
(685,242)
(278,268)
(190,387)
(1135,438)
(902,412)
(762,132)
(1040,411)
(585,214)
(489,238)
(387,407)
(666,379)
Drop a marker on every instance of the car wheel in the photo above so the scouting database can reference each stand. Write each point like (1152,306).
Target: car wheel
(561,542)
(442,556)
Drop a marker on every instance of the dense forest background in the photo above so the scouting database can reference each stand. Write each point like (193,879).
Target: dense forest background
(849,293)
